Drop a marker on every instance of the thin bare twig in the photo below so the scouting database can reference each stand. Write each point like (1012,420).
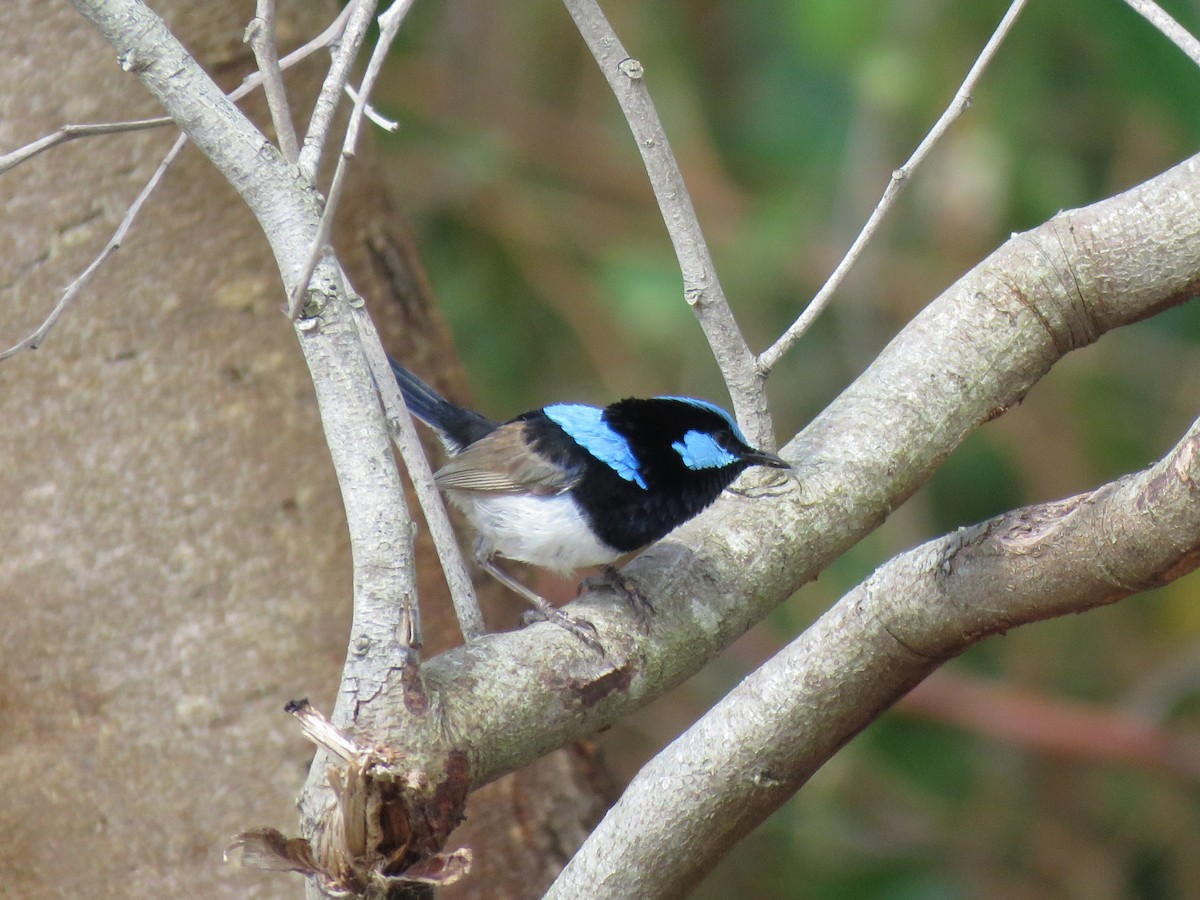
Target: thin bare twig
(345,52)
(73,132)
(458,578)
(389,25)
(420,473)
(382,121)
(249,83)
(1176,33)
(701,287)
(260,34)
(324,39)
(33,341)
(768,359)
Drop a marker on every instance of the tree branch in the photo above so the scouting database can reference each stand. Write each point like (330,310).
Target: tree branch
(260,34)
(458,578)
(389,27)
(287,209)
(1172,30)
(72,132)
(969,356)
(416,463)
(701,287)
(34,339)
(1053,726)
(770,357)
(345,52)
(757,747)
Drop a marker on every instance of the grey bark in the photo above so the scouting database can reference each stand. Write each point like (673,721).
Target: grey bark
(175,563)
(972,354)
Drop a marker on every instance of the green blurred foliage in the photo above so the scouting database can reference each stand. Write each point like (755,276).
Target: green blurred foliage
(545,247)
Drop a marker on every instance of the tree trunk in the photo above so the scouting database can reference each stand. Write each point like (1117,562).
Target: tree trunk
(176,564)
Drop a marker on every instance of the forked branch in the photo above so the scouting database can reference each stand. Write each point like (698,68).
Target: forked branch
(701,286)
(752,751)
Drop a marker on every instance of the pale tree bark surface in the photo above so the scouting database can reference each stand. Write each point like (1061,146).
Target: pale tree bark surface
(176,563)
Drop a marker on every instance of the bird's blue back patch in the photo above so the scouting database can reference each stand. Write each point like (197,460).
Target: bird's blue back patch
(699,450)
(713,408)
(586,426)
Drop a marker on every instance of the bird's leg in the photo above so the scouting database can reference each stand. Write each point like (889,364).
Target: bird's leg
(581,628)
(612,578)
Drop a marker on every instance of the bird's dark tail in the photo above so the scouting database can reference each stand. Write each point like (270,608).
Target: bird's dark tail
(457,426)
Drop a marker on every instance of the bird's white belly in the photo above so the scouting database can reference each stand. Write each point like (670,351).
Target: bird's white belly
(549,532)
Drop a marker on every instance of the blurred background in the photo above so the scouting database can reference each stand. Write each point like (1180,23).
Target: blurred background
(1061,760)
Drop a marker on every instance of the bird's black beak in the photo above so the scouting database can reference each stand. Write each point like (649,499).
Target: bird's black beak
(763,458)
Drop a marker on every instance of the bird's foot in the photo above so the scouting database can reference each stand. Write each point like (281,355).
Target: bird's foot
(611,577)
(580,628)
(543,609)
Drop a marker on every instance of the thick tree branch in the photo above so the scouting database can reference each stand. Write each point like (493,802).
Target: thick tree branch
(972,354)
(287,208)
(766,738)
(383,660)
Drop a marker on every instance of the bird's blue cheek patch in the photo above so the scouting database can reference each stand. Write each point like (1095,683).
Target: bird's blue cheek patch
(701,451)
(586,426)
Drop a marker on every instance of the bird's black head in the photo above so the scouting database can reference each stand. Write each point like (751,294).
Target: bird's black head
(652,464)
(679,440)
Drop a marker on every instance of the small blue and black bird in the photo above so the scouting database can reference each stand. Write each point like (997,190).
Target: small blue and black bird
(570,486)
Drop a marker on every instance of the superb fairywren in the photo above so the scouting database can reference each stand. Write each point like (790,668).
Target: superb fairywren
(570,486)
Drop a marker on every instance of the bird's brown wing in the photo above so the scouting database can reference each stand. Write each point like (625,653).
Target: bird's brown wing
(502,463)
